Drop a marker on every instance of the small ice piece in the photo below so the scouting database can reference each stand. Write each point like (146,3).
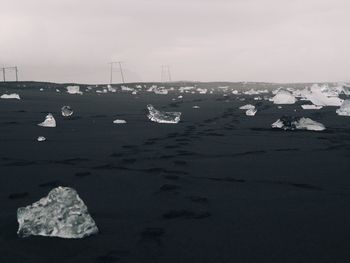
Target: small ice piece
(251,112)
(10,96)
(247,107)
(66,111)
(295,123)
(118,121)
(74,90)
(195,107)
(160,91)
(48,122)
(283,97)
(60,214)
(162,116)
(344,109)
(41,89)
(311,107)
(41,139)
(180,97)
(57,90)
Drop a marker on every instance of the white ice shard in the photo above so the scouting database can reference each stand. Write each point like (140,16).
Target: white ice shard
(10,96)
(247,107)
(118,121)
(251,112)
(294,123)
(162,116)
(283,97)
(195,107)
(251,92)
(311,107)
(66,111)
(60,214)
(160,91)
(48,122)
(344,109)
(41,139)
(321,96)
(202,91)
(74,90)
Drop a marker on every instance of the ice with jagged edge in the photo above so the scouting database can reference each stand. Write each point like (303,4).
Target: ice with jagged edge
(119,121)
(295,123)
(251,112)
(10,96)
(60,214)
(322,95)
(74,90)
(66,111)
(311,107)
(247,107)
(344,109)
(283,97)
(48,122)
(162,116)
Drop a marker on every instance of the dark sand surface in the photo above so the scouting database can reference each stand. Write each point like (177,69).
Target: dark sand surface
(217,187)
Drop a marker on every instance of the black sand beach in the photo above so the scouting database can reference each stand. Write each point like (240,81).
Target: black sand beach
(218,186)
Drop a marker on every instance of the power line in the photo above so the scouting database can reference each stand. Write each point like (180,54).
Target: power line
(120,70)
(4,69)
(165,75)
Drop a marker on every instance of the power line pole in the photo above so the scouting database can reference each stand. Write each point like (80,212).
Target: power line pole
(120,69)
(15,68)
(169,75)
(165,75)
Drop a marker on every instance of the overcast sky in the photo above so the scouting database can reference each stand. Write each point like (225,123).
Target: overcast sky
(205,40)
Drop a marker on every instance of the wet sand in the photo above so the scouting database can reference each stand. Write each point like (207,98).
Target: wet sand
(217,187)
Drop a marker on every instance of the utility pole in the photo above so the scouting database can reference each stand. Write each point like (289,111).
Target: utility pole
(165,74)
(15,68)
(120,69)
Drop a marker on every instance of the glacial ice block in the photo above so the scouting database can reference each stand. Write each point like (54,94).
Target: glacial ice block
(74,90)
(283,97)
(162,116)
(67,111)
(247,107)
(251,112)
(60,214)
(119,121)
(10,96)
(295,123)
(48,122)
(344,109)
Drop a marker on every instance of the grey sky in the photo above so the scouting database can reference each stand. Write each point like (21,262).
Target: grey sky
(206,40)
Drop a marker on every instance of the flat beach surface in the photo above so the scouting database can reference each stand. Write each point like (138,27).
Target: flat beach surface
(219,186)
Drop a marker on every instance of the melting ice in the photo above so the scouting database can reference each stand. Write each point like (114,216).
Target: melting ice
(162,116)
(60,214)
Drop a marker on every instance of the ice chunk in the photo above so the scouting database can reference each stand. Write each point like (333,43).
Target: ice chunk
(251,112)
(160,91)
(321,96)
(195,107)
(247,107)
(74,90)
(118,121)
(66,111)
(48,122)
(41,139)
(295,123)
(283,97)
(311,107)
(162,117)
(344,109)
(10,96)
(60,214)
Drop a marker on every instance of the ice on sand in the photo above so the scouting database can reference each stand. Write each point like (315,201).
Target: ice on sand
(48,122)
(321,96)
(66,111)
(251,112)
(73,90)
(118,121)
(311,107)
(283,97)
(41,139)
(344,109)
(247,107)
(295,123)
(162,116)
(10,96)
(60,214)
